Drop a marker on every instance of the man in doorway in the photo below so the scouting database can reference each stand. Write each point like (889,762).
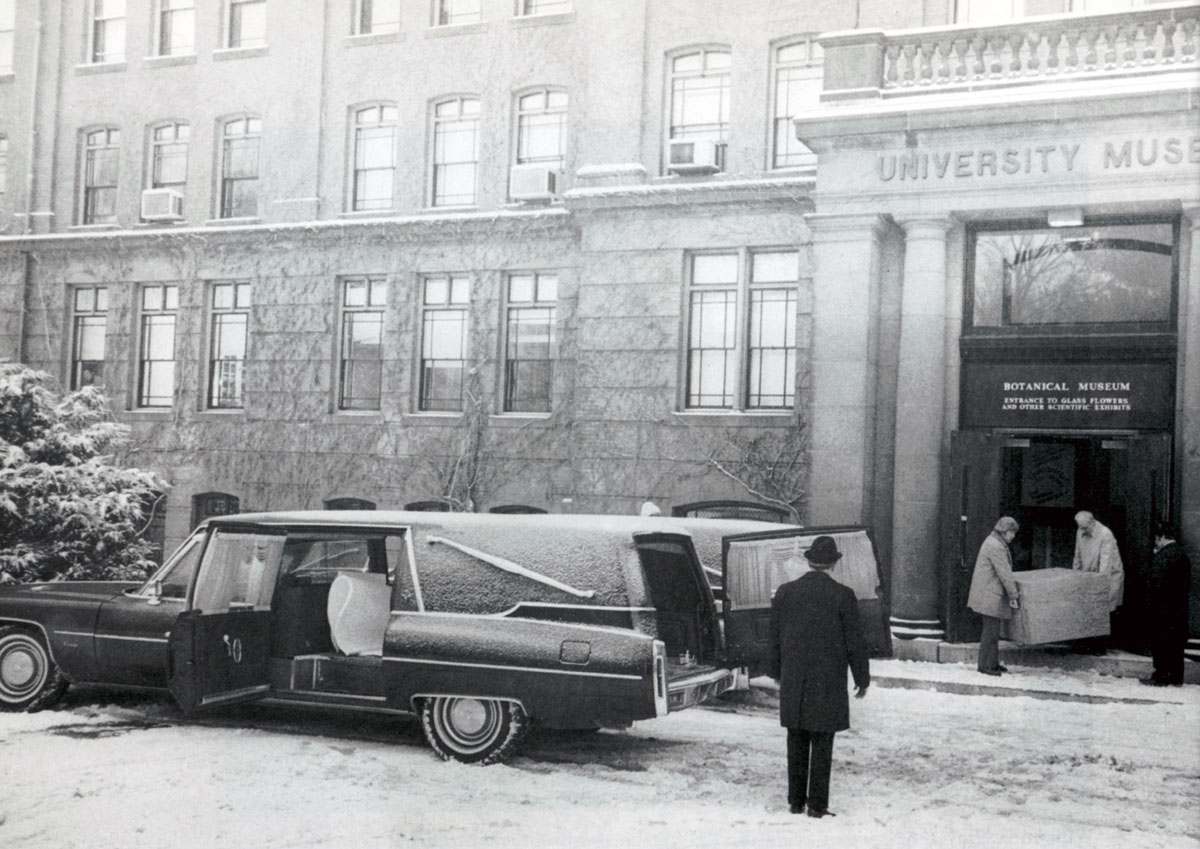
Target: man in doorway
(1169,584)
(814,636)
(994,594)
(1096,551)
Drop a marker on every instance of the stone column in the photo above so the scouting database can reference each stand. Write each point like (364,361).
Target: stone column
(1187,399)
(846,259)
(920,430)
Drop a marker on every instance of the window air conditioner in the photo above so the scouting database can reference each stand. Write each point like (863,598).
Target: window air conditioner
(693,156)
(162,205)
(532,182)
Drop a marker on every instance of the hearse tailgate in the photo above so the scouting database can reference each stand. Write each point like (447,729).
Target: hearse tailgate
(691,685)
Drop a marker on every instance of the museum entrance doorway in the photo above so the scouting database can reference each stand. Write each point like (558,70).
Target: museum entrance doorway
(1042,480)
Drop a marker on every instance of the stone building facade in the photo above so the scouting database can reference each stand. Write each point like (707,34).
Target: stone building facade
(572,256)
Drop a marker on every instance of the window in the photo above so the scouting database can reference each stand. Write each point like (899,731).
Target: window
(444,342)
(208,504)
(227,345)
(3,164)
(374,157)
(156,358)
(176,27)
(375,16)
(360,372)
(100,166)
(8,25)
(1095,274)
(797,88)
(451,12)
(530,343)
(107,31)
(348,503)
(239,168)
(455,151)
(742,315)
(87,336)
(247,23)
(999,11)
(175,577)
(542,7)
(168,157)
(700,96)
(238,571)
(541,128)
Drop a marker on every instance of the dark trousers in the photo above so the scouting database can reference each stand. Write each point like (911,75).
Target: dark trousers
(989,644)
(810,760)
(1167,646)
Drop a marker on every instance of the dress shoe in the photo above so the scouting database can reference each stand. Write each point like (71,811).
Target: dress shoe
(817,813)
(995,672)
(796,809)
(1000,667)
(1153,682)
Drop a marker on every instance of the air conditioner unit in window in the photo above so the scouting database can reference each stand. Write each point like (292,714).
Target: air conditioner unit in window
(532,182)
(693,156)
(162,205)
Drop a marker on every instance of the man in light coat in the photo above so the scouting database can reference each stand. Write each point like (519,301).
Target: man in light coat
(1096,551)
(994,594)
(814,636)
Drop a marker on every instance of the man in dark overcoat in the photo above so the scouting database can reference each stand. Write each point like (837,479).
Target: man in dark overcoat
(1170,583)
(814,637)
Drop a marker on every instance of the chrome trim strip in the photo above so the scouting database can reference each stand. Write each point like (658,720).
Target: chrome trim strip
(235,694)
(514,568)
(132,639)
(581,626)
(326,694)
(284,701)
(506,668)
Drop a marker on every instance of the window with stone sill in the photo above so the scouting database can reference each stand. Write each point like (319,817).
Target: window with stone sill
(240,139)
(106,31)
(209,504)
(8,26)
(176,31)
(455,12)
(742,330)
(699,87)
(982,12)
(169,156)
(445,316)
(542,128)
(101,158)
(246,24)
(89,319)
(376,16)
(797,78)
(530,346)
(374,179)
(525,8)
(360,366)
(156,346)
(229,311)
(455,151)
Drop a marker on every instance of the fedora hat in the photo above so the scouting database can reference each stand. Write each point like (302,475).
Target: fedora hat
(823,552)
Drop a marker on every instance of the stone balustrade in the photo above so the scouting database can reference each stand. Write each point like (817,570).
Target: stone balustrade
(1038,50)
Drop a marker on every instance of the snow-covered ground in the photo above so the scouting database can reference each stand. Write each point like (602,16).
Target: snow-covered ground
(919,769)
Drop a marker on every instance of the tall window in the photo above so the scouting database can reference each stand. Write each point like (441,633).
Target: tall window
(176,27)
(3,164)
(373,16)
(8,25)
(156,357)
(742,330)
(542,7)
(700,96)
(247,24)
(230,311)
(455,151)
(360,372)
(239,168)
(542,128)
(530,345)
(87,336)
(168,157)
(444,342)
(101,157)
(107,31)
(797,88)
(374,157)
(451,12)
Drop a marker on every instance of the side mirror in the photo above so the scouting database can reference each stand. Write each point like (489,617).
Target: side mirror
(156,593)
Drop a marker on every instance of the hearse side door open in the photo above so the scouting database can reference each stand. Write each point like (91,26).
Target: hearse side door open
(754,565)
(220,647)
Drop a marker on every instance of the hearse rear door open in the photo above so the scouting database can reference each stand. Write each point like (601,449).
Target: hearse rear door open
(754,565)
(220,647)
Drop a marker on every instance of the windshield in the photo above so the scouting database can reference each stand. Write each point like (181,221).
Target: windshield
(176,573)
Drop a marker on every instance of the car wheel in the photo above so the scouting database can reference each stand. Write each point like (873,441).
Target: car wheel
(473,731)
(29,679)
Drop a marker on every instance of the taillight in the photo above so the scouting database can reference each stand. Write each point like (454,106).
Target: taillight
(660,678)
